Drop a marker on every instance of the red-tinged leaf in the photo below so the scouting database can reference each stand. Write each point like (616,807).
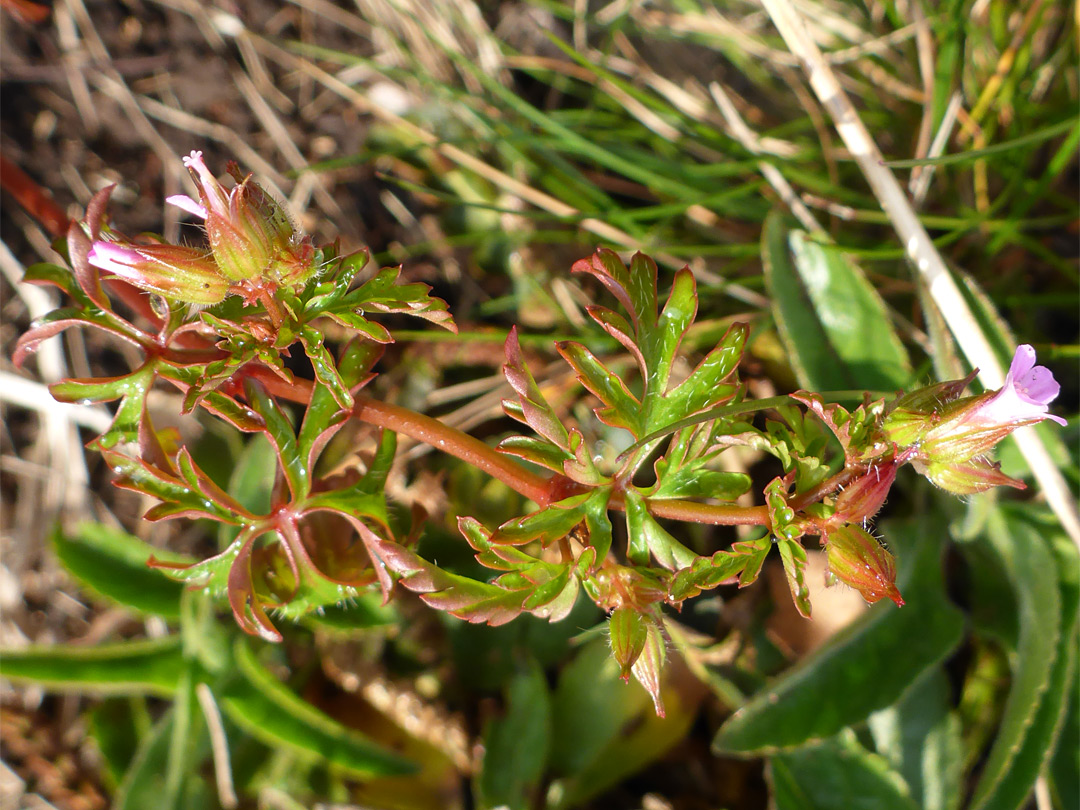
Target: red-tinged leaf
(858,431)
(358,323)
(281,435)
(178,498)
(58,320)
(794,557)
(383,293)
(581,468)
(245,602)
(200,482)
(606,266)
(598,527)
(705,573)
(549,524)
(322,363)
(45,273)
(539,451)
(79,242)
(535,409)
(650,663)
(661,345)
(620,329)
(622,409)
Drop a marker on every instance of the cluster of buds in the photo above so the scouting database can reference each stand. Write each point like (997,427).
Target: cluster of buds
(254,248)
(947,439)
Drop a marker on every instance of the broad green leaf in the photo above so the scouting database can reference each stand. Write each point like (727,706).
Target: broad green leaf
(112,564)
(863,668)
(835,325)
(1065,766)
(836,773)
(516,744)
(130,667)
(269,711)
(1044,665)
(606,729)
(920,737)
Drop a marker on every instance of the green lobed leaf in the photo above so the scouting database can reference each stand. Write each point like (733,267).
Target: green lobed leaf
(1045,658)
(269,711)
(621,408)
(112,563)
(794,557)
(833,322)
(863,668)
(836,773)
(322,363)
(705,573)
(130,667)
(516,745)
(646,536)
(703,388)
(280,432)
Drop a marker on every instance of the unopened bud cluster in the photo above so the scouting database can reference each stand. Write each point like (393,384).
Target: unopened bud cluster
(253,246)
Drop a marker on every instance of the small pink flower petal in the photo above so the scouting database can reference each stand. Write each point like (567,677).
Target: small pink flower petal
(185,203)
(1025,396)
(112,258)
(212,192)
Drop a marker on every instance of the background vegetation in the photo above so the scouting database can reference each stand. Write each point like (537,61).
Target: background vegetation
(486,147)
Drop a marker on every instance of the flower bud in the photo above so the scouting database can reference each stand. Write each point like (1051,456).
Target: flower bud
(966,477)
(250,235)
(628,630)
(864,496)
(175,272)
(857,559)
(650,662)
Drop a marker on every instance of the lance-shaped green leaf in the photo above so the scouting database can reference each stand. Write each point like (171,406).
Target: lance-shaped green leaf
(834,324)
(516,745)
(864,667)
(131,667)
(683,472)
(621,408)
(112,563)
(46,273)
(269,711)
(646,536)
(280,432)
(743,560)
(1045,658)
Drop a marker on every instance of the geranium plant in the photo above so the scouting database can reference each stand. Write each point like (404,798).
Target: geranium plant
(218,323)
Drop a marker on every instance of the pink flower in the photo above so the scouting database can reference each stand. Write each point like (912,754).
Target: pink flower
(1025,397)
(175,272)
